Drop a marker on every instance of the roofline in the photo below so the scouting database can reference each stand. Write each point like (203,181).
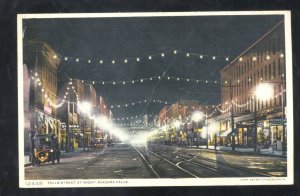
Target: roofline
(262,37)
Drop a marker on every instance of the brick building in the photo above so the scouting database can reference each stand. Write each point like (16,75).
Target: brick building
(262,62)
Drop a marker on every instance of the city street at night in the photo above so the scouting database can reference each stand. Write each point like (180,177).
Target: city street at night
(134,161)
(170,97)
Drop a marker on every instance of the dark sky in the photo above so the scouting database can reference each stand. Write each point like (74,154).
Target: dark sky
(119,38)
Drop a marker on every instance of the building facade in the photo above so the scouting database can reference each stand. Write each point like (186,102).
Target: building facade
(262,63)
(42,63)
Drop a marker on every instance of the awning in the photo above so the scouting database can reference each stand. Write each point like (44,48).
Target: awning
(225,133)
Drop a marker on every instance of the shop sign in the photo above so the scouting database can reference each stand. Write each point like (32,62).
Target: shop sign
(64,126)
(276,121)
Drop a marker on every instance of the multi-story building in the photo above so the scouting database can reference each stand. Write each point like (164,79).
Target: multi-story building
(177,119)
(262,62)
(90,97)
(42,63)
(164,115)
(104,111)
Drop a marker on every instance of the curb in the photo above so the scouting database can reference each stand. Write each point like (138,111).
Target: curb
(241,153)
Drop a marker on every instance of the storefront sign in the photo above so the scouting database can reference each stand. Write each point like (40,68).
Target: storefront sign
(64,126)
(276,121)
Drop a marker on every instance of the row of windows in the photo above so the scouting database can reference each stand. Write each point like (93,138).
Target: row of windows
(248,103)
(267,73)
(50,75)
(246,66)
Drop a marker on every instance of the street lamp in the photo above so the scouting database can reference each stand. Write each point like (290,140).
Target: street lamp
(262,92)
(85,108)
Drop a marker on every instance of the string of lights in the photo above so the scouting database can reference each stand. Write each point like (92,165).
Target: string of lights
(137,103)
(127,118)
(137,59)
(245,104)
(47,94)
(153,78)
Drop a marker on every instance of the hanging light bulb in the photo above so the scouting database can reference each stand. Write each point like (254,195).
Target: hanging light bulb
(89,61)
(227,59)
(137,59)
(123,82)
(214,58)
(100,61)
(125,61)
(175,51)
(149,57)
(177,79)
(77,60)
(187,54)
(162,55)
(201,56)
(66,58)
(113,61)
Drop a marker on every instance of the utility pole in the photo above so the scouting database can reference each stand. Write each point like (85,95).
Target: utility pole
(67,128)
(255,125)
(232,119)
(206,130)
(283,121)
(73,126)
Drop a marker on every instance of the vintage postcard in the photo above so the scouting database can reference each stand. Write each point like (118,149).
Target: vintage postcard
(155,99)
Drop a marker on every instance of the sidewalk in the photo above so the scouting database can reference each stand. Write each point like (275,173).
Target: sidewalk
(270,151)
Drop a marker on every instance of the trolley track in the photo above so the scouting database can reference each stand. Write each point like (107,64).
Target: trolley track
(227,169)
(184,168)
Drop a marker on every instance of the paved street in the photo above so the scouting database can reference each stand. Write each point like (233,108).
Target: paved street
(119,161)
(127,161)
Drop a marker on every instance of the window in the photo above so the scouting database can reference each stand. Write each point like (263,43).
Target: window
(274,69)
(248,65)
(261,55)
(266,76)
(270,71)
(274,45)
(280,96)
(279,67)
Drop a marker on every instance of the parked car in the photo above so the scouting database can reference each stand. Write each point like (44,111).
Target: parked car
(45,149)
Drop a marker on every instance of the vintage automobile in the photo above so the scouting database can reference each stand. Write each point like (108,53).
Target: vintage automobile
(45,149)
(98,144)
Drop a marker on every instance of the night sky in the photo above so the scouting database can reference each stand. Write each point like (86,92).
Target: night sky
(116,39)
